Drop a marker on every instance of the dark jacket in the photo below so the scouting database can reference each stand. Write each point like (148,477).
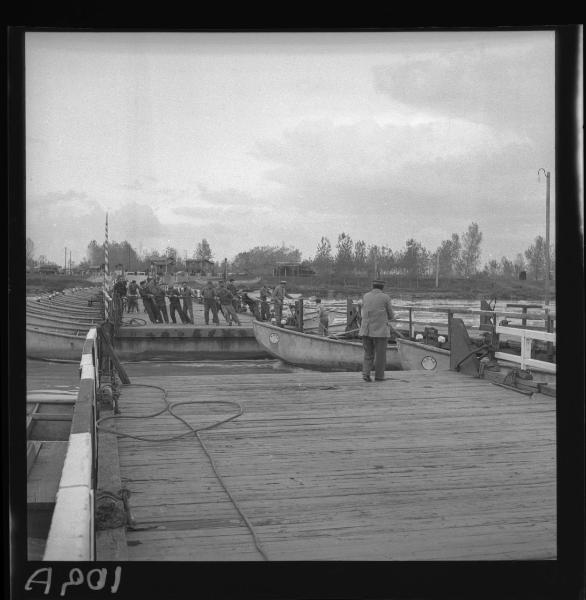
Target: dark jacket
(224,296)
(209,293)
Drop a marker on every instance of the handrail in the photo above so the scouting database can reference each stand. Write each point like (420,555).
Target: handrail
(474,311)
(527,336)
(71,535)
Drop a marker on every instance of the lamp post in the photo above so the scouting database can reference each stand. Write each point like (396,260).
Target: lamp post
(547,264)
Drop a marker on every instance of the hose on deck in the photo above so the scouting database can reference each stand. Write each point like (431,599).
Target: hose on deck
(169,408)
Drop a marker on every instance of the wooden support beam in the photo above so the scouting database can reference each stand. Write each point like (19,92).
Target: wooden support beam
(109,350)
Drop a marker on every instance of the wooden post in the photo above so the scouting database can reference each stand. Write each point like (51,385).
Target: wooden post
(109,350)
(411,332)
(526,343)
(547,258)
(437,270)
(524,321)
(300,315)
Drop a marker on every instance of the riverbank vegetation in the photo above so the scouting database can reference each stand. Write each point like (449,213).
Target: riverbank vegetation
(452,270)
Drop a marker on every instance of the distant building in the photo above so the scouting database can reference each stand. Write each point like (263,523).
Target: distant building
(48,269)
(196,266)
(292,269)
(162,265)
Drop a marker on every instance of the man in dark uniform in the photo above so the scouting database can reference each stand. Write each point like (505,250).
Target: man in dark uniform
(132,297)
(159,294)
(120,289)
(175,305)
(231,287)
(210,303)
(225,297)
(152,291)
(187,295)
(147,301)
(374,329)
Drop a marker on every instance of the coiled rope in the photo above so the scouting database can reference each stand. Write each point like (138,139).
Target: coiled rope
(132,322)
(169,406)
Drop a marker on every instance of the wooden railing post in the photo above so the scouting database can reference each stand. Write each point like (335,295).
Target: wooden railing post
(299,310)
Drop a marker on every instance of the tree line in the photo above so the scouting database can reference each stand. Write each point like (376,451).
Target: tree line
(456,256)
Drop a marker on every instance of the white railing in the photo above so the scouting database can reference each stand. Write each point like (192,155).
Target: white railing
(548,317)
(527,336)
(71,535)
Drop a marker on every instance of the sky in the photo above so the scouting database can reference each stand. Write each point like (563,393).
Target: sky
(254,139)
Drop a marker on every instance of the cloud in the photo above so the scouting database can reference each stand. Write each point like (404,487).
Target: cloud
(508,88)
(213,205)
(136,186)
(337,167)
(401,180)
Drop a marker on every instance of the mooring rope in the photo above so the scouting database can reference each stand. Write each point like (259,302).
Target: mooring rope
(132,322)
(169,406)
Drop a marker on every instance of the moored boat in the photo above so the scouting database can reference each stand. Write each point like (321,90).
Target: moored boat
(51,344)
(314,351)
(526,370)
(417,355)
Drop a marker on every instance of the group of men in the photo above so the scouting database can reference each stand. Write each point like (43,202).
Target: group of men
(153,296)
(377,311)
(222,299)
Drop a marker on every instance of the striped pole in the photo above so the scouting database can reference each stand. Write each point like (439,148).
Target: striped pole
(106,257)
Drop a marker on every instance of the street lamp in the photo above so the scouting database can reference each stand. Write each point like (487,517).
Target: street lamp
(547,264)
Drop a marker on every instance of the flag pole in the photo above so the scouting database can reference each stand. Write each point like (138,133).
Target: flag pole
(106,257)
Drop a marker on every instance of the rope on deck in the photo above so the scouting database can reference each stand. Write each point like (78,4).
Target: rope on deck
(169,406)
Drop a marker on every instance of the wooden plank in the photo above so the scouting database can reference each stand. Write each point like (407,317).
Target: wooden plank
(111,541)
(424,466)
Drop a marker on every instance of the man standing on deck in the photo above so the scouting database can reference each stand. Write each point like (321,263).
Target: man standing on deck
(132,297)
(225,297)
(147,301)
(210,303)
(175,305)
(159,294)
(374,329)
(279,295)
(231,287)
(264,303)
(323,319)
(187,295)
(151,289)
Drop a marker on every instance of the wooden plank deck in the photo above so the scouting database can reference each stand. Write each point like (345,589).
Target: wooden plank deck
(423,466)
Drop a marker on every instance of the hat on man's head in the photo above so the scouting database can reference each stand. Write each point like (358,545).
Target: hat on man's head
(283,281)
(378,282)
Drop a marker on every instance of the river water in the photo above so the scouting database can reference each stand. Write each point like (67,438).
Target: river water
(401,305)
